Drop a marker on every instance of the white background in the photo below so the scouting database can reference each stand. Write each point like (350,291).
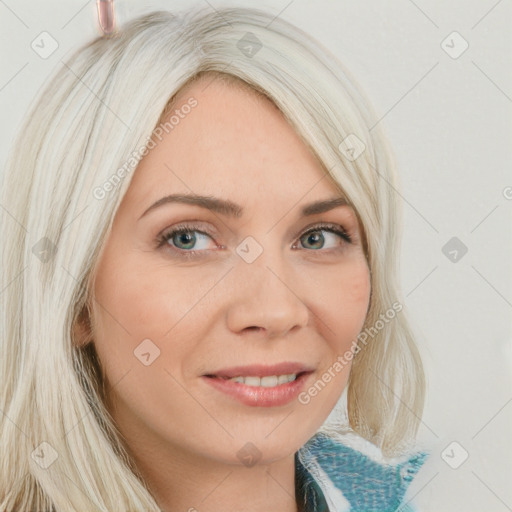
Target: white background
(449,121)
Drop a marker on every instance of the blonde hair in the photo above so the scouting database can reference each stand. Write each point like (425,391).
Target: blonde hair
(103,104)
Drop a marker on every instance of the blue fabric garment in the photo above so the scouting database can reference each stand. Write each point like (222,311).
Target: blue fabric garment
(366,484)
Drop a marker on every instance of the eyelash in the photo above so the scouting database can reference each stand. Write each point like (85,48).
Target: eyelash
(187,228)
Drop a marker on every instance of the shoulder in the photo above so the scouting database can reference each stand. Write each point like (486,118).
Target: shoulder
(354,475)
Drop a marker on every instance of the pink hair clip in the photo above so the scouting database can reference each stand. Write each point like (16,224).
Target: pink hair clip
(106,16)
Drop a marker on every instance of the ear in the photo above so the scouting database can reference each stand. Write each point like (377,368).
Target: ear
(82,332)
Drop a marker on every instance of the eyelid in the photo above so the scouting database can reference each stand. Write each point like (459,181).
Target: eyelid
(319,225)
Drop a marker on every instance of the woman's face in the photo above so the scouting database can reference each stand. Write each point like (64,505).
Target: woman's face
(242,284)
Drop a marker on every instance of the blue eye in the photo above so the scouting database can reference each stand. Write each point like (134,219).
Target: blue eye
(313,235)
(185,238)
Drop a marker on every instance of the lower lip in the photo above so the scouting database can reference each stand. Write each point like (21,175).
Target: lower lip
(259,396)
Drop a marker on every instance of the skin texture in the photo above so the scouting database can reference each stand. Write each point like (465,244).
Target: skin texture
(304,299)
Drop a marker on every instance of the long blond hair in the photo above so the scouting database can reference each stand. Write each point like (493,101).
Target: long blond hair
(101,106)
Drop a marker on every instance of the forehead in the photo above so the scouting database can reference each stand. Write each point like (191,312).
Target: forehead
(234,142)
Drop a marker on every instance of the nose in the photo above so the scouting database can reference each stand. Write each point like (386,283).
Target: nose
(265,295)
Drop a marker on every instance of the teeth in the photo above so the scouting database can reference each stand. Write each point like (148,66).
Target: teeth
(266,382)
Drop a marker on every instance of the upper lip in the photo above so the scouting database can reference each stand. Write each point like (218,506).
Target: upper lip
(260,370)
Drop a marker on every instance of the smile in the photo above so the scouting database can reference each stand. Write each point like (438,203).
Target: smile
(268,391)
(266,382)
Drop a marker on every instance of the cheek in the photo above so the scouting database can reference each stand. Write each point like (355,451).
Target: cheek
(142,317)
(356,289)
(340,311)
(140,299)
(344,304)
(137,301)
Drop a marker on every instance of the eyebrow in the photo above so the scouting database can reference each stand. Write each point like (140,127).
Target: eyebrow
(228,208)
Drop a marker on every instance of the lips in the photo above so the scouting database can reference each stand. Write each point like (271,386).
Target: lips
(259,396)
(259,370)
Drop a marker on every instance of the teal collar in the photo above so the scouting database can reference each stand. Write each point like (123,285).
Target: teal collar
(308,495)
(366,484)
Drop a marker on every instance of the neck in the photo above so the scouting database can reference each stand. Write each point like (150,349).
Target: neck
(184,482)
